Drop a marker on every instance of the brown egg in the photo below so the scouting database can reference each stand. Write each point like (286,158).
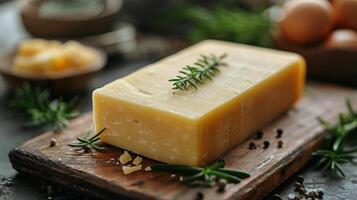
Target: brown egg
(307,21)
(343,38)
(346,13)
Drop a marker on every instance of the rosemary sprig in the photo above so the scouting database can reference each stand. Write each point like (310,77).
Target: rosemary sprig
(203,176)
(228,23)
(38,109)
(88,143)
(202,70)
(336,152)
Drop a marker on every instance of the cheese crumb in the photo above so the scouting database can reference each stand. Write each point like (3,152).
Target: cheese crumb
(125,158)
(148,168)
(129,170)
(137,160)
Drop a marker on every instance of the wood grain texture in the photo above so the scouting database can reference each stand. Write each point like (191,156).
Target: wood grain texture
(93,174)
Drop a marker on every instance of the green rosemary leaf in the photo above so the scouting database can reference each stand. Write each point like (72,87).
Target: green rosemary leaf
(94,146)
(96,136)
(77,144)
(189,179)
(337,153)
(323,152)
(206,176)
(325,124)
(333,164)
(351,113)
(352,150)
(351,126)
(218,22)
(83,140)
(348,156)
(337,145)
(38,109)
(326,166)
(321,162)
(202,70)
(342,119)
(340,170)
(235,172)
(225,176)
(341,160)
(216,165)
(88,144)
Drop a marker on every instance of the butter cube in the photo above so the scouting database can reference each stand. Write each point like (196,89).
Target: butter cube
(194,127)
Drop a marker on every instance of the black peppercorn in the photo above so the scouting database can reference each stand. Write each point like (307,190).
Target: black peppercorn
(302,191)
(279,132)
(280,144)
(300,179)
(86,150)
(199,196)
(53,142)
(259,135)
(266,144)
(252,145)
(298,185)
(313,194)
(221,186)
(297,198)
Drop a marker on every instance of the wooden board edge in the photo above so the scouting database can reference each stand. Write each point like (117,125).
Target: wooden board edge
(20,161)
(31,167)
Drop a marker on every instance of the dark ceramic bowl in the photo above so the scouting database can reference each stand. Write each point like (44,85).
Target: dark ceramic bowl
(41,26)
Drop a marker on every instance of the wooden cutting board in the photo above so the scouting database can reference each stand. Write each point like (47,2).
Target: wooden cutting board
(95,174)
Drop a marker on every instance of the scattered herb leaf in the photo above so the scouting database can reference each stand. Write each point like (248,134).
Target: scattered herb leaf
(88,143)
(203,176)
(202,70)
(336,153)
(38,109)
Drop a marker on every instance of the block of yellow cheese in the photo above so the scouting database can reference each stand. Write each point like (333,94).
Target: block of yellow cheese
(194,127)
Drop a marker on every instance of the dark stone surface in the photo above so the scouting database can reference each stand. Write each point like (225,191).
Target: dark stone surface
(17,187)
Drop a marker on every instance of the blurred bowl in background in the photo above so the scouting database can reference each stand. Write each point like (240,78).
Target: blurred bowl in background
(63,21)
(119,41)
(336,64)
(60,84)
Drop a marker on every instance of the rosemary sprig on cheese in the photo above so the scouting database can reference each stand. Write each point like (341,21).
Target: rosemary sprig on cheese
(88,143)
(203,176)
(202,70)
(38,109)
(336,153)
